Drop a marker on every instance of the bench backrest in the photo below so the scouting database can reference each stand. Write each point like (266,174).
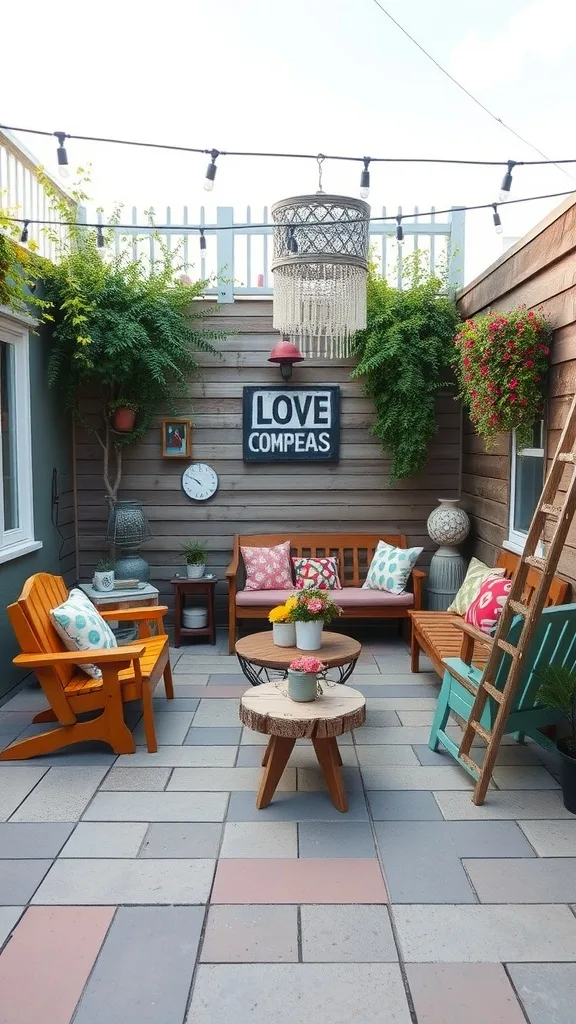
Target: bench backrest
(353,550)
(553,643)
(30,619)
(559,589)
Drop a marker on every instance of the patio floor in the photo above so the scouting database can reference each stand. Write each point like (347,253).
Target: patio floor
(149,889)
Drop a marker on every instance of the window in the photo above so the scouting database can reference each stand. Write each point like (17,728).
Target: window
(526,482)
(16,512)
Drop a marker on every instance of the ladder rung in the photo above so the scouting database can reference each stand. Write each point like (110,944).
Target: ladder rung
(552,510)
(566,456)
(468,761)
(509,648)
(493,692)
(519,608)
(538,563)
(481,731)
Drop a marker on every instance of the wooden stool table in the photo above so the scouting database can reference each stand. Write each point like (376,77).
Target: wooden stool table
(258,654)
(268,709)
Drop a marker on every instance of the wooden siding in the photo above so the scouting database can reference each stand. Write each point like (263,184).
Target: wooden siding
(539,272)
(354,494)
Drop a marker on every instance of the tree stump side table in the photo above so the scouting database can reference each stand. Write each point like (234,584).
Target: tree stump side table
(267,709)
(203,587)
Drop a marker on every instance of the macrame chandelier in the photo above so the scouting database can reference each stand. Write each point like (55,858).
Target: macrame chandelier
(320,268)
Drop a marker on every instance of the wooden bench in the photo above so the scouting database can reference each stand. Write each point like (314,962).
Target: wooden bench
(437,634)
(128,673)
(354,552)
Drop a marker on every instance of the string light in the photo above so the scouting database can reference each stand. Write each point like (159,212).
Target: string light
(506,185)
(202,241)
(399,229)
(24,235)
(62,155)
(211,171)
(365,179)
(496,219)
(99,237)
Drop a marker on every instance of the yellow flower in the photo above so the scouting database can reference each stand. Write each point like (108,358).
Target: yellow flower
(278,614)
(291,603)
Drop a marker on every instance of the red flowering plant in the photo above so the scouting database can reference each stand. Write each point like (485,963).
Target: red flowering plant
(500,361)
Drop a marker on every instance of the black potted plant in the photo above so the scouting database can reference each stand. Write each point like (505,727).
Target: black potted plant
(558,690)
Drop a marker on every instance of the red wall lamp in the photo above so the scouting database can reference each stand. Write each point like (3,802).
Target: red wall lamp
(285,354)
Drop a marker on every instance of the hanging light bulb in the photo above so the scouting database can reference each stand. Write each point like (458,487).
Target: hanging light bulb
(496,218)
(62,155)
(365,179)
(24,235)
(99,237)
(507,182)
(202,241)
(399,229)
(211,171)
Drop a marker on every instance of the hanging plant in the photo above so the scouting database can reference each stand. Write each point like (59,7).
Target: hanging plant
(500,361)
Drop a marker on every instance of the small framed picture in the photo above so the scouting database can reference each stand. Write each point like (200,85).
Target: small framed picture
(176,438)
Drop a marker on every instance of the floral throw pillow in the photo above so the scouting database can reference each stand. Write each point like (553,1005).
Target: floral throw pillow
(316,573)
(477,573)
(268,568)
(82,628)
(486,609)
(391,567)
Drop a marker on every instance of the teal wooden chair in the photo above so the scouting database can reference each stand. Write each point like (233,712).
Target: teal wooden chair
(553,643)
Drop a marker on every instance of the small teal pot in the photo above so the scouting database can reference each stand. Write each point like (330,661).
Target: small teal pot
(302,686)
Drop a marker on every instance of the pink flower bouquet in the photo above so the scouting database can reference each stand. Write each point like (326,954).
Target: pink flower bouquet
(307,664)
(314,606)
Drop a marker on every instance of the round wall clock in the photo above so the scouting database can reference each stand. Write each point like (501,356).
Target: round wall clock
(199,481)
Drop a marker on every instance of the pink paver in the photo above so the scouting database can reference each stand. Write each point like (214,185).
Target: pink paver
(475,993)
(281,880)
(46,964)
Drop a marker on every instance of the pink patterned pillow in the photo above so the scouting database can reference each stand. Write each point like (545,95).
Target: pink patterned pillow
(486,609)
(317,573)
(268,568)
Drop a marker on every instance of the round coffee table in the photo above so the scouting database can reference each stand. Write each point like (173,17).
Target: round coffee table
(258,655)
(268,709)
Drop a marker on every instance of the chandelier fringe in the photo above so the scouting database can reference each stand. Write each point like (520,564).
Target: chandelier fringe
(321,304)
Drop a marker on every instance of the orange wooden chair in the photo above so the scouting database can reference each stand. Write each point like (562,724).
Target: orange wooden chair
(128,673)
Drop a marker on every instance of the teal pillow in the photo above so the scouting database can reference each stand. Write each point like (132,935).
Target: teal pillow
(82,628)
(391,567)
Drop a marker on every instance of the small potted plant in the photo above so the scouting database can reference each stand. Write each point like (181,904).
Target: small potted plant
(195,557)
(558,691)
(283,630)
(303,678)
(312,609)
(123,414)
(104,575)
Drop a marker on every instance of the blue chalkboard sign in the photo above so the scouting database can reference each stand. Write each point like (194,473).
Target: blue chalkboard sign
(291,424)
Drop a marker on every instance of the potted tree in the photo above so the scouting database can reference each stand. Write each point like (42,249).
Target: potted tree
(303,678)
(195,558)
(312,609)
(104,575)
(558,691)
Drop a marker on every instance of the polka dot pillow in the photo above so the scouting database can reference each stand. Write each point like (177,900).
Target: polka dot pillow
(316,573)
(81,628)
(391,567)
(268,568)
(486,609)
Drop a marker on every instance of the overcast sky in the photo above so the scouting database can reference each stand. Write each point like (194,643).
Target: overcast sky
(303,75)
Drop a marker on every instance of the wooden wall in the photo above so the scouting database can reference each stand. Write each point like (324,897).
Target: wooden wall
(540,272)
(354,494)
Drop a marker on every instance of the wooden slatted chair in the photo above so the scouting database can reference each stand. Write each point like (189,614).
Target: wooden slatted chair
(128,673)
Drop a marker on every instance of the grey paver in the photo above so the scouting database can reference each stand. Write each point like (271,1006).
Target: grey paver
(187,690)
(214,735)
(393,734)
(378,719)
(260,839)
(412,851)
(106,882)
(295,807)
(126,779)
(182,839)
(8,919)
(503,804)
(542,880)
(222,779)
(416,718)
(179,703)
(515,754)
(403,806)
(547,991)
(550,838)
(347,934)
(227,679)
(180,757)
(485,934)
(381,754)
(62,795)
(32,839)
(15,785)
(402,703)
(105,839)
(452,777)
(171,727)
(251,934)
(511,777)
(312,778)
(323,993)
(217,712)
(157,807)
(410,690)
(302,756)
(19,879)
(335,839)
(144,970)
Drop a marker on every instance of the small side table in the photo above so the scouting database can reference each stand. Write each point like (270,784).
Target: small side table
(203,587)
(110,600)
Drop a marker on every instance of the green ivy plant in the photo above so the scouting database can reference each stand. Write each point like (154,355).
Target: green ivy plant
(18,267)
(404,360)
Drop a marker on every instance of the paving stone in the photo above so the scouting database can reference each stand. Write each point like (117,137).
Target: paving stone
(105,839)
(378,719)
(186,690)
(15,785)
(310,779)
(223,736)
(452,777)
(171,727)
(403,690)
(335,839)
(81,755)
(295,807)
(222,779)
(184,839)
(180,757)
(220,692)
(8,918)
(32,839)
(217,713)
(306,880)
(485,934)
(302,756)
(411,852)
(260,839)
(476,993)
(232,679)
(516,754)
(286,993)
(347,934)
(19,879)
(403,806)
(179,703)
(157,807)
(503,804)
(416,718)
(187,666)
(126,881)
(148,779)
(542,880)
(549,838)
(31,698)
(254,934)
(507,777)
(402,703)
(13,722)
(250,737)
(146,962)
(547,991)
(62,795)
(393,735)
(380,754)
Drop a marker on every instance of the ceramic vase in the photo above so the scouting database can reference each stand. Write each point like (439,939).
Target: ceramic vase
(104,581)
(309,635)
(196,571)
(284,634)
(448,525)
(302,686)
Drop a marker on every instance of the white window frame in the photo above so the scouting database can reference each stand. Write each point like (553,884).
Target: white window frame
(516,538)
(14,330)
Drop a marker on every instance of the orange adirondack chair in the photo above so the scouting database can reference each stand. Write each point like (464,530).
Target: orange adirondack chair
(128,673)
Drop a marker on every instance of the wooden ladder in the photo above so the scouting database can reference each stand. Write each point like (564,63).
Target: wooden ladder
(548,510)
